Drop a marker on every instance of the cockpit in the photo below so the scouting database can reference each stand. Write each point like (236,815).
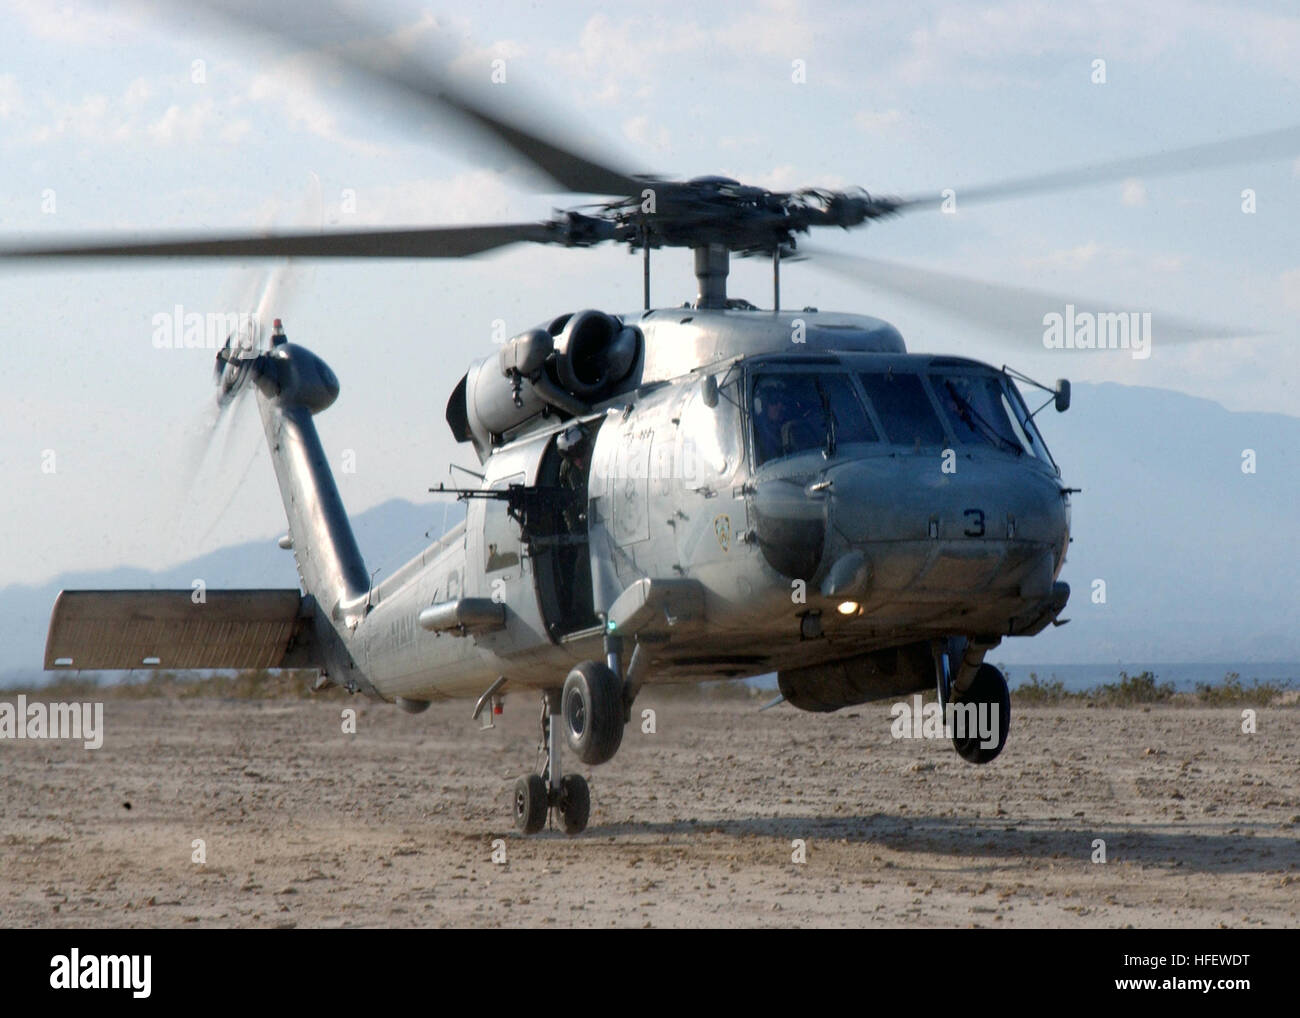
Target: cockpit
(891,404)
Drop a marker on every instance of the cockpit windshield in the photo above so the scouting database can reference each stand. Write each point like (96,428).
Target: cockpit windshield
(797,411)
(977,410)
(903,408)
(981,411)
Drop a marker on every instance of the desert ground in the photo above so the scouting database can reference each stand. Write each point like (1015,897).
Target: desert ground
(692,825)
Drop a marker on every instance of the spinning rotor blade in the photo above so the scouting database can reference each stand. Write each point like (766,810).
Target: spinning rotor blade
(276,294)
(433,242)
(1249,148)
(382,59)
(1013,314)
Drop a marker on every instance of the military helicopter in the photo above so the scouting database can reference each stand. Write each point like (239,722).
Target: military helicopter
(667,495)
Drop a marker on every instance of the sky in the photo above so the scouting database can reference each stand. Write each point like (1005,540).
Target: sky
(140,118)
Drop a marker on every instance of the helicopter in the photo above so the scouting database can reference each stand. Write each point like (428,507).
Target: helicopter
(672,494)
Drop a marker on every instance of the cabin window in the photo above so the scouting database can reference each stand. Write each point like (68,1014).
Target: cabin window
(500,531)
(903,408)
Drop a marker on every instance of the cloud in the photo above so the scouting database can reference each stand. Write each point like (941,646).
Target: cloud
(474,196)
(876,121)
(1290,283)
(11,97)
(290,87)
(95,117)
(622,57)
(640,131)
(788,177)
(1265,40)
(628,57)
(196,123)
(1133,193)
(984,46)
(136,115)
(778,28)
(1072,257)
(76,23)
(138,92)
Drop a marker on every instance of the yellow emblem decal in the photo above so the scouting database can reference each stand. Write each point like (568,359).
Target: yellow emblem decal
(722,528)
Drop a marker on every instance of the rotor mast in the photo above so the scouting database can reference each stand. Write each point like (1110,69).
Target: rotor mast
(712,264)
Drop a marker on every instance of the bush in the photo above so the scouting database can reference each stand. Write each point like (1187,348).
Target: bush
(1231,691)
(1038,692)
(1132,689)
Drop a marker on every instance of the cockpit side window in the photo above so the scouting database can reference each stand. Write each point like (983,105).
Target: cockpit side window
(1020,415)
(795,411)
(903,408)
(978,411)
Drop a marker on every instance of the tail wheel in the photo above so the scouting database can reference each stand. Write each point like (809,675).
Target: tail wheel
(575,803)
(530,804)
(989,687)
(593,712)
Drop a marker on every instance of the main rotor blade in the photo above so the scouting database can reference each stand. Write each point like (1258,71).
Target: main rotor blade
(1249,148)
(435,242)
(1014,315)
(378,58)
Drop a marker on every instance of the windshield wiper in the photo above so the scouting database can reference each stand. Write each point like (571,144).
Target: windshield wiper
(828,415)
(972,417)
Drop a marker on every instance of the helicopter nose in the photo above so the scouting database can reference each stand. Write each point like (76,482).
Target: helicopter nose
(992,526)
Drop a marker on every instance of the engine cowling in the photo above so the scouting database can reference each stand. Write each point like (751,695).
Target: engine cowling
(594,352)
(578,360)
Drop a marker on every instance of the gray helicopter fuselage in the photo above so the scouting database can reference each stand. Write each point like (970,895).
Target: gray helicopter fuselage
(723,558)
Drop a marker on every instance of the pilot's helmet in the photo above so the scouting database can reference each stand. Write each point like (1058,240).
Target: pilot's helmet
(571,439)
(769,390)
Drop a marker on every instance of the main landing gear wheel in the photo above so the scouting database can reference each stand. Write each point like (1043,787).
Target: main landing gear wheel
(532,804)
(575,803)
(989,687)
(593,712)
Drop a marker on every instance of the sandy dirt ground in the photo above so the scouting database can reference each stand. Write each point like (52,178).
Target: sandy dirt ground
(693,825)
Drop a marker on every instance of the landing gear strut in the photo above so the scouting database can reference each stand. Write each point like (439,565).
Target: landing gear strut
(537,794)
(589,713)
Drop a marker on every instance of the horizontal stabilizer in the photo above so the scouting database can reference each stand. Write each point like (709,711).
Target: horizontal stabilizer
(124,629)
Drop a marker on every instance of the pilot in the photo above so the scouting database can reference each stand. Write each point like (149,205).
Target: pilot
(782,424)
(771,406)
